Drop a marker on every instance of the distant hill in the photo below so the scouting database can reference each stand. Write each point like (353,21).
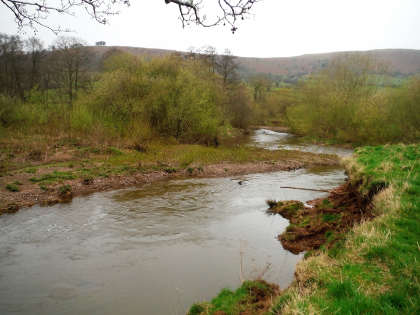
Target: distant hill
(401,62)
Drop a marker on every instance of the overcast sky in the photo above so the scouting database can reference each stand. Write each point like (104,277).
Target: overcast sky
(278,28)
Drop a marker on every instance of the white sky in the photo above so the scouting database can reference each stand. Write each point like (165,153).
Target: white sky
(277,28)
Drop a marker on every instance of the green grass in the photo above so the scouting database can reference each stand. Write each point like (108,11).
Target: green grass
(53,177)
(12,187)
(245,298)
(330,217)
(62,190)
(376,270)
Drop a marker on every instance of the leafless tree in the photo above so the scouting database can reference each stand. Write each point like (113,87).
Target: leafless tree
(11,65)
(208,54)
(228,67)
(70,60)
(35,13)
(35,49)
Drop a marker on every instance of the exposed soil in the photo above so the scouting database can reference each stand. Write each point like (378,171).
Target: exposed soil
(30,194)
(325,220)
(259,299)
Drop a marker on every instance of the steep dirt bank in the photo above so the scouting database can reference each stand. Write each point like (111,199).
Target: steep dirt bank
(324,221)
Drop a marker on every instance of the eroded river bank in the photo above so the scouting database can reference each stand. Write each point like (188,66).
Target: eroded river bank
(155,249)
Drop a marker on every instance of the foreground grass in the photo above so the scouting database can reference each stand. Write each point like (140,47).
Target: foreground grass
(376,269)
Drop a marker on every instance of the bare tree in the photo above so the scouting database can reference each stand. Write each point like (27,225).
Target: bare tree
(35,13)
(228,67)
(208,54)
(11,65)
(35,49)
(71,60)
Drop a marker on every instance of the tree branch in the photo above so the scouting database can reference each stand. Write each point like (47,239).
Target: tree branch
(35,13)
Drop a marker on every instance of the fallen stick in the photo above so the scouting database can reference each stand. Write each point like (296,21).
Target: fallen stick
(300,188)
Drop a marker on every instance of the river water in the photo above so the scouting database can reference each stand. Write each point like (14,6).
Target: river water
(272,140)
(154,249)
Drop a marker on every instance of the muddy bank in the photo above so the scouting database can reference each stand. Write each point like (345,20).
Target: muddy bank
(323,221)
(31,194)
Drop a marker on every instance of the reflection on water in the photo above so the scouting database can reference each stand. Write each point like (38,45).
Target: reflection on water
(155,249)
(273,140)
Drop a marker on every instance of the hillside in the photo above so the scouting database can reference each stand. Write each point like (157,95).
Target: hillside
(400,61)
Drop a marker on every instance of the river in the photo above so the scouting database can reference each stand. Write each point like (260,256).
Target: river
(154,249)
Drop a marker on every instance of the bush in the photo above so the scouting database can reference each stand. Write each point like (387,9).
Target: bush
(12,187)
(345,102)
(169,97)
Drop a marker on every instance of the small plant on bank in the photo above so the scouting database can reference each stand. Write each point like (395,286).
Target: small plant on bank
(330,217)
(12,187)
(170,170)
(326,203)
(63,190)
(272,203)
(87,180)
(196,309)
(31,170)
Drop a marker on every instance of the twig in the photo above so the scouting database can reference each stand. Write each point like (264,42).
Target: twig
(310,189)
(241,274)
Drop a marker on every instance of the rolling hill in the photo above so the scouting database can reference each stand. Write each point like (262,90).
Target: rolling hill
(401,62)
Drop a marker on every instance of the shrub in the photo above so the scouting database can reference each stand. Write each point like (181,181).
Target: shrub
(12,187)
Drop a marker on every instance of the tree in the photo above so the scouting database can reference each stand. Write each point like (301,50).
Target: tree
(11,65)
(228,67)
(35,47)
(70,60)
(261,85)
(208,55)
(35,13)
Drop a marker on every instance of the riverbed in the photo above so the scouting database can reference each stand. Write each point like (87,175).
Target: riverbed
(153,249)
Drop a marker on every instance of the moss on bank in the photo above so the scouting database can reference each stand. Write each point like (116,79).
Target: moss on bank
(375,269)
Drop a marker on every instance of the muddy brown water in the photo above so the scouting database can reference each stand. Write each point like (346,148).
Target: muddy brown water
(154,249)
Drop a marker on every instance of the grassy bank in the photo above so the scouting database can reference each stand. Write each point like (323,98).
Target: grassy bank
(375,269)
(43,172)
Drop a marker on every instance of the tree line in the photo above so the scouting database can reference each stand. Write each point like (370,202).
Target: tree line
(27,64)
(68,88)
(197,97)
